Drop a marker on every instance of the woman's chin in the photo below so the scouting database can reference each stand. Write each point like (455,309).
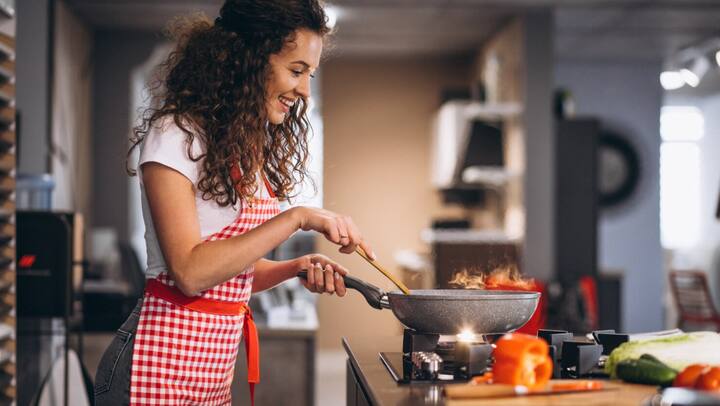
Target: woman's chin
(276,118)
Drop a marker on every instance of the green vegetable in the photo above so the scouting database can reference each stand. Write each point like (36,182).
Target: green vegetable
(652,358)
(677,352)
(647,370)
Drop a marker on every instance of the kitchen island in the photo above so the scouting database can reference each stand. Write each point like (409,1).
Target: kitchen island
(370,383)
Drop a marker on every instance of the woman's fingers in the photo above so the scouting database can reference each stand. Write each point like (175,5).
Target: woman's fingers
(343,231)
(355,237)
(329,279)
(368,250)
(339,269)
(331,230)
(310,285)
(319,278)
(337,228)
(322,259)
(323,275)
(340,288)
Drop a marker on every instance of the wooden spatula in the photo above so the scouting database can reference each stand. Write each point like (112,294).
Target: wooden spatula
(377,266)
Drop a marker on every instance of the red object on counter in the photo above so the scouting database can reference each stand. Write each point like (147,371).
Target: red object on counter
(588,288)
(710,380)
(699,376)
(537,321)
(689,376)
(521,359)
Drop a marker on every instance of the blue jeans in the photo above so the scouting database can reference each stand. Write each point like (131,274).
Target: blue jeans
(112,380)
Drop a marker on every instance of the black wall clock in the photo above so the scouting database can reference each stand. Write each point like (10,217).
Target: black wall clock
(618,168)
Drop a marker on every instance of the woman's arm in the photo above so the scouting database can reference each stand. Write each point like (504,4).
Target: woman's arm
(196,265)
(270,273)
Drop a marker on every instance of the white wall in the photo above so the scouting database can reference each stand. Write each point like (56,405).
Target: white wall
(709,248)
(705,255)
(628,96)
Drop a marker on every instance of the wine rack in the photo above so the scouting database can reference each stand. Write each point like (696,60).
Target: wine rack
(8,390)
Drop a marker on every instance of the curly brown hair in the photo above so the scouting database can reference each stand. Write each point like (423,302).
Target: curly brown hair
(213,87)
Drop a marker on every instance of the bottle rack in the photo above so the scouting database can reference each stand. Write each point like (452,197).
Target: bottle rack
(8,390)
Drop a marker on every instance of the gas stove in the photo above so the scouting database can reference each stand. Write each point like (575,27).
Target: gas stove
(432,358)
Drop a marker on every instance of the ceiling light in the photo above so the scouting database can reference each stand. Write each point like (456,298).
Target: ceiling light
(717,57)
(671,80)
(695,70)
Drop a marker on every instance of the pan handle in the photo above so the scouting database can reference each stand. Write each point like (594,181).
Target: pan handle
(375,296)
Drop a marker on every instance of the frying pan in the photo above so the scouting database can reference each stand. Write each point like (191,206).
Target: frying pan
(451,311)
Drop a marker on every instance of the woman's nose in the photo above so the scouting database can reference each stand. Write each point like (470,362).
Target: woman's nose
(303,87)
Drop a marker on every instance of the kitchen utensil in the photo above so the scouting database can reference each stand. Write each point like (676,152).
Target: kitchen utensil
(684,397)
(382,270)
(451,311)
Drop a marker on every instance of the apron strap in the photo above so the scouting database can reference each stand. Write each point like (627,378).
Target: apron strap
(267,185)
(200,304)
(236,173)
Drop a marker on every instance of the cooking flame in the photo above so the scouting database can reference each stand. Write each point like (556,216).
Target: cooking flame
(507,277)
(467,336)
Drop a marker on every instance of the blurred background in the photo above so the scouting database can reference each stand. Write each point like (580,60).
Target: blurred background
(574,140)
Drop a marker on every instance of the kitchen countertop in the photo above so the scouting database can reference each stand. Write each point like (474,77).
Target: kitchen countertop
(382,389)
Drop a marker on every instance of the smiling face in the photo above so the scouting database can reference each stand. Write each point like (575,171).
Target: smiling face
(290,73)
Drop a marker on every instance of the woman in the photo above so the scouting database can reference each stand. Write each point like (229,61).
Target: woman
(226,140)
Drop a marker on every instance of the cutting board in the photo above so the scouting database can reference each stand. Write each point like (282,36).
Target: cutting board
(616,394)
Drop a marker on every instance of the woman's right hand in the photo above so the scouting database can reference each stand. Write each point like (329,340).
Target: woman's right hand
(337,228)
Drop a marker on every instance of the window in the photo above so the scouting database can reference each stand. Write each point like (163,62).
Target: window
(681,127)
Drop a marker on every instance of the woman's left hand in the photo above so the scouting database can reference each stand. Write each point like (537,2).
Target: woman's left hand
(323,274)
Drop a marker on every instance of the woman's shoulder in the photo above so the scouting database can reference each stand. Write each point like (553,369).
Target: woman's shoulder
(169,144)
(169,133)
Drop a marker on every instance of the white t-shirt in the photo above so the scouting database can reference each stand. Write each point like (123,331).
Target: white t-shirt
(166,144)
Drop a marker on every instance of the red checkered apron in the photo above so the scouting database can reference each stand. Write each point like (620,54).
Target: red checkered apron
(185,348)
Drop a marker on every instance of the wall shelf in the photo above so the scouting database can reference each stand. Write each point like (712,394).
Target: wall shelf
(452,126)
(6,52)
(8,368)
(6,9)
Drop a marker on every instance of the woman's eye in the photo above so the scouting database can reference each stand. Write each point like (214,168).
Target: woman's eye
(297,73)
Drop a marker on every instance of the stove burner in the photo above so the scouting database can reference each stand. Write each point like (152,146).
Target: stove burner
(572,358)
(471,359)
(426,358)
(414,341)
(427,364)
(579,359)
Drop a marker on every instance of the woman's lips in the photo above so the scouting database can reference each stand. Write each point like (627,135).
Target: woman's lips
(285,104)
(283,107)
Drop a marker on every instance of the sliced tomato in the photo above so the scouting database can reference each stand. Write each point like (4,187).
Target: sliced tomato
(690,375)
(709,380)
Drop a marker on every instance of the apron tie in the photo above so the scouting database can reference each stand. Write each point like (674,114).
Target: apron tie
(252,350)
(173,295)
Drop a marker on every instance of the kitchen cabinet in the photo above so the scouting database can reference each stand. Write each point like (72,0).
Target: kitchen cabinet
(355,394)
(452,129)
(287,369)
